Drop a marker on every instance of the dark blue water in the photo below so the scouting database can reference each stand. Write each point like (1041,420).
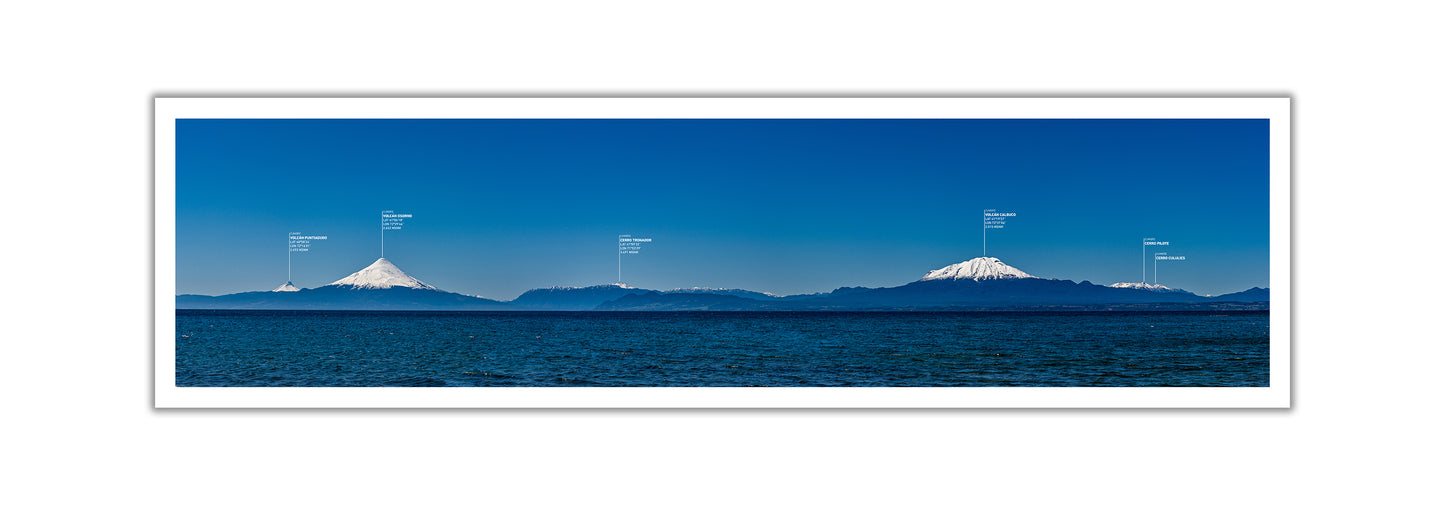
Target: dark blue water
(716,349)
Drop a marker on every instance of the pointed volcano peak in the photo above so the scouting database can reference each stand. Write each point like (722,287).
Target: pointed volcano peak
(977,269)
(381,274)
(288,287)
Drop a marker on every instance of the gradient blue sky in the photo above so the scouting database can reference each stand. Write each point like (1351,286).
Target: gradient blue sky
(784,206)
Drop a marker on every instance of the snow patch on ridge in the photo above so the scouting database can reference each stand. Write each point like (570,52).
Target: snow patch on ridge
(559,288)
(381,274)
(980,268)
(1146,286)
(707,289)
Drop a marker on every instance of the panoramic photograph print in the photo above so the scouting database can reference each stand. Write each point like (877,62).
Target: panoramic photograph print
(697,253)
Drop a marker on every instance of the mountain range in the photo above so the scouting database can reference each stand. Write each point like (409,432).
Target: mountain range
(979,283)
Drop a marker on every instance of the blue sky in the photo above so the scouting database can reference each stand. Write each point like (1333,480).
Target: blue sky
(784,206)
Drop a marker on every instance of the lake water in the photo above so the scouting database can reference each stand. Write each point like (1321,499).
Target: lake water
(720,349)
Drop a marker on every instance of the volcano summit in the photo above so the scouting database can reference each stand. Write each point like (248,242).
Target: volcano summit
(380,275)
(381,285)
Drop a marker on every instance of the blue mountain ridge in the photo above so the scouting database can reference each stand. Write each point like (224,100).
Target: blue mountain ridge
(571,299)
(950,295)
(342,298)
(928,294)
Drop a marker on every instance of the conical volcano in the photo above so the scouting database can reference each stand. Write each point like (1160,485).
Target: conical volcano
(288,287)
(380,275)
(978,269)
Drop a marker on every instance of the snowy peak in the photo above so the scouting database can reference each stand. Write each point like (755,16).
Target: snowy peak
(738,292)
(288,287)
(560,288)
(1147,286)
(980,268)
(381,274)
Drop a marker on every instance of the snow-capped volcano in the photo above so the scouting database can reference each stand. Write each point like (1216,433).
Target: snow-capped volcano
(1147,286)
(980,268)
(380,274)
(288,287)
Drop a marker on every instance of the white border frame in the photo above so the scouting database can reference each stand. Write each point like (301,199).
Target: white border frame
(1275,109)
